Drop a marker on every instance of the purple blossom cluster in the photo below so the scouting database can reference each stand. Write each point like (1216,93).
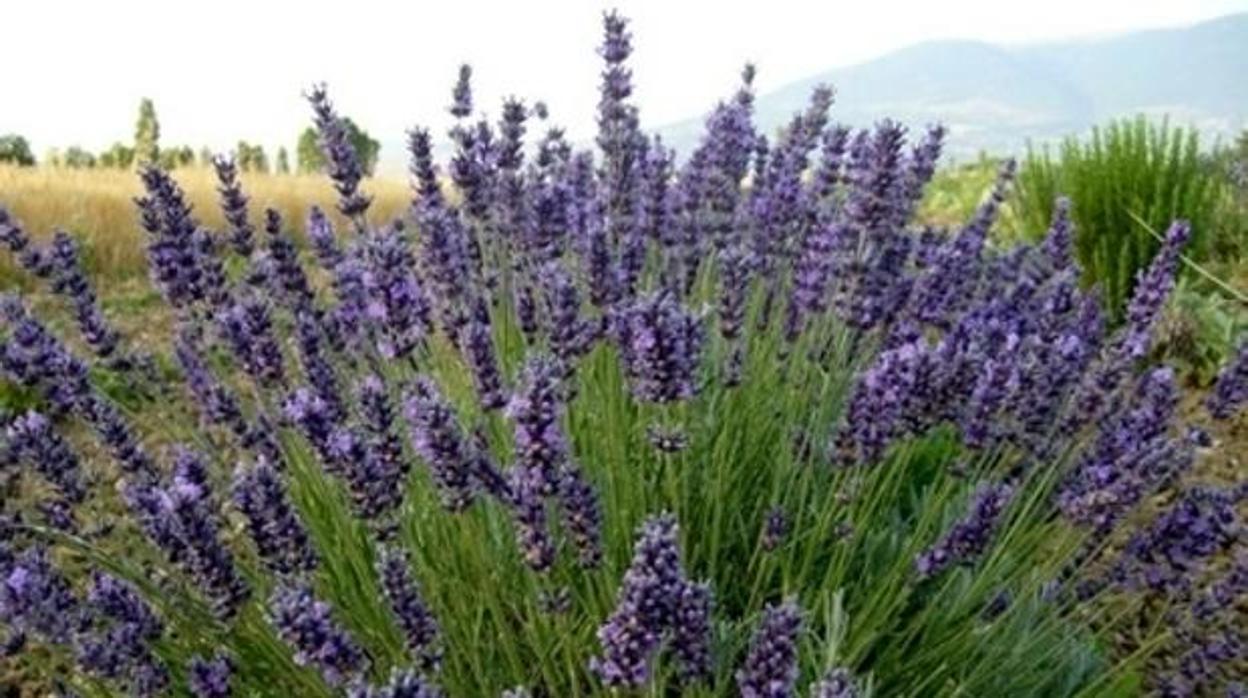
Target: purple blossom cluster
(307,624)
(182,519)
(655,601)
(770,667)
(660,346)
(967,539)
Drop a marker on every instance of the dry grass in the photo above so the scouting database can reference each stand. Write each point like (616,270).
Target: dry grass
(97,207)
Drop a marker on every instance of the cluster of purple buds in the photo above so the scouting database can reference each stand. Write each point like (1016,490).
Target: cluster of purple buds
(173,256)
(477,346)
(33,357)
(210,678)
(970,536)
(1132,455)
(403,683)
(660,346)
(272,521)
(438,438)
(655,598)
(342,160)
(1170,553)
(582,515)
(536,408)
(770,667)
(289,275)
(32,438)
(30,256)
(775,528)
(1230,393)
(182,519)
(836,683)
(35,599)
(395,300)
(71,282)
(118,642)
(247,328)
(420,628)
(1152,288)
(308,626)
(234,207)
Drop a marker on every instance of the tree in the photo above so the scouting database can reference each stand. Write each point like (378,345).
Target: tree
(310,157)
(282,165)
(118,155)
(251,158)
(15,150)
(147,134)
(205,156)
(78,158)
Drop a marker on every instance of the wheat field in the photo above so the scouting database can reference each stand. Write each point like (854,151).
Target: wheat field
(97,207)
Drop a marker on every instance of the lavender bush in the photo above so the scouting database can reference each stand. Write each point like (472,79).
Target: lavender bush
(615,422)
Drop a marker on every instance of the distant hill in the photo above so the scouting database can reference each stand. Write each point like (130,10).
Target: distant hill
(997,98)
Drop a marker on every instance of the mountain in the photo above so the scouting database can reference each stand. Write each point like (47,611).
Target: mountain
(997,98)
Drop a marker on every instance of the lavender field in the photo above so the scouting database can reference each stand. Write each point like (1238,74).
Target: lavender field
(795,412)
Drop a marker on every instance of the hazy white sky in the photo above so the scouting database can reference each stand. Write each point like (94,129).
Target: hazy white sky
(228,69)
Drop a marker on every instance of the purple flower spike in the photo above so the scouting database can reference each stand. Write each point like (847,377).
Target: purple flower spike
(836,683)
(234,207)
(248,328)
(660,345)
(33,258)
(403,683)
(342,160)
(307,625)
(31,438)
(420,628)
(461,96)
(536,408)
(770,668)
(72,282)
(691,637)
(396,303)
(438,438)
(1152,289)
(582,515)
(210,678)
(527,488)
(182,519)
(970,536)
(272,521)
(775,529)
(118,642)
(478,348)
(35,599)
(646,607)
(1230,393)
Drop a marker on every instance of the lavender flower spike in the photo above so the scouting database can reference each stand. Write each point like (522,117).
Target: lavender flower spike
(439,440)
(343,162)
(646,607)
(420,628)
(970,536)
(234,207)
(536,409)
(1230,393)
(837,683)
(478,349)
(307,625)
(32,438)
(272,521)
(770,668)
(210,678)
(582,515)
(691,636)
(118,643)
(403,683)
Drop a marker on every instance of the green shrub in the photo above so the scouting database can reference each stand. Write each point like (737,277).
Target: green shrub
(1126,172)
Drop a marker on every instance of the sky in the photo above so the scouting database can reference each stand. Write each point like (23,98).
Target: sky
(230,69)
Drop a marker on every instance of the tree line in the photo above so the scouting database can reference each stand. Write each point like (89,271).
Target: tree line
(146,148)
